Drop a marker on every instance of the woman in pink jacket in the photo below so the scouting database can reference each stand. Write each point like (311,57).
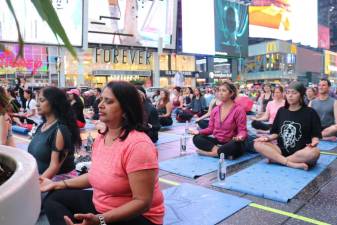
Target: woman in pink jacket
(227,125)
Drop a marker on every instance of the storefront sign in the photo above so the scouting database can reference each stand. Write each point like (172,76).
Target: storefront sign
(8,60)
(172,73)
(121,72)
(222,75)
(122,56)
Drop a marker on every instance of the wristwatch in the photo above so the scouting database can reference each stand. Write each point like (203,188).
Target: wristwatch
(101,219)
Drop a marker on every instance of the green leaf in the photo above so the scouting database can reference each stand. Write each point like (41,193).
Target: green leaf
(2,47)
(48,13)
(10,6)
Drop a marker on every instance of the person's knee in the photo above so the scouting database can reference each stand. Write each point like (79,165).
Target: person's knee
(258,146)
(315,153)
(196,139)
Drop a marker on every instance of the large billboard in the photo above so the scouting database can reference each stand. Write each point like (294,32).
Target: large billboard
(214,27)
(294,20)
(132,22)
(36,31)
(198,27)
(231,28)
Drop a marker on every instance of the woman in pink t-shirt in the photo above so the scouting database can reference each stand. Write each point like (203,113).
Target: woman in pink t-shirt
(271,110)
(123,174)
(227,124)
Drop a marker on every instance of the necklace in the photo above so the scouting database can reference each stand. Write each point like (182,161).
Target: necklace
(47,125)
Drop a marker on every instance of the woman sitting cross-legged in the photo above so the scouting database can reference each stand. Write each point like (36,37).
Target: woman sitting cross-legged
(227,124)
(54,142)
(271,110)
(123,174)
(297,130)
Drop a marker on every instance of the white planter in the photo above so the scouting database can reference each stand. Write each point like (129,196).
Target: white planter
(20,198)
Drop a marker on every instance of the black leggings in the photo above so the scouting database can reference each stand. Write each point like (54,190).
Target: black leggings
(69,202)
(232,148)
(165,121)
(203,124)
(259,125)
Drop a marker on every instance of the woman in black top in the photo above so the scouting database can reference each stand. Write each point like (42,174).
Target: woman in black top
(297,130)
(55,139)
(164,109)
(266,97)
(77,106)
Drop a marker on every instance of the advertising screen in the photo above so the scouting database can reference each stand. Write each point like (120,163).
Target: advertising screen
(198,26)
(330,62)
(231,28)
(323,37)
(132,22)
(294,20)
(34,29)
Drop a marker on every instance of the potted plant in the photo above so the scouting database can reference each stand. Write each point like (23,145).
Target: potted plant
(20,198)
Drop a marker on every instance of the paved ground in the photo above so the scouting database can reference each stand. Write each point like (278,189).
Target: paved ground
(317,202)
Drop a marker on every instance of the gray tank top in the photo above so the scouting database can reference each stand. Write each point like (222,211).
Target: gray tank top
(324,110)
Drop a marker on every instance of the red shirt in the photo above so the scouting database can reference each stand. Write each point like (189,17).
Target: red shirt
(109,171)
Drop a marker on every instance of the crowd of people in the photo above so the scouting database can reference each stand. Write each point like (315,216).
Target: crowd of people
(123,181)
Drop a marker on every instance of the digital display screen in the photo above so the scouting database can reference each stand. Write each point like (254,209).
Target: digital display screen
(35,30)
(133,22)
(294,20)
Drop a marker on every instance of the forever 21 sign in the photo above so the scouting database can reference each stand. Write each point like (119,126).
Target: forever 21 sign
(122,56)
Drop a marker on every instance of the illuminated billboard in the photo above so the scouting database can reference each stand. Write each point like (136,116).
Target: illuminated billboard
(132,22)
(231,28)
(323,37)
(36,31)
(294,20)
(198,31)
(330,62)
(214,27)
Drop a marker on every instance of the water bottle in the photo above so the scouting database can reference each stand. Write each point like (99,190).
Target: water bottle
(183,144)
(222,169)
(90,141)
(186,127)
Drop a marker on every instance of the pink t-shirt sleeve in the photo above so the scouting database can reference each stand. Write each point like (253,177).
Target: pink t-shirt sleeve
(141,156)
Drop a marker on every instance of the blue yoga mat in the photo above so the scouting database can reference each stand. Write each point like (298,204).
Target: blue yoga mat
(327,145)
(19,130)
(194,166)
(189,204)
(274,181)
(166,138)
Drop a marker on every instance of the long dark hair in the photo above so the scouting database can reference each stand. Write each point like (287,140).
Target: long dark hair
(131,104)
(299,87)
(4,101)
(61,109)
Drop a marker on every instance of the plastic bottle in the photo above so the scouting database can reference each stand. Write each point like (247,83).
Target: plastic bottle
(183,144)
(222,168)
(90,141)
(186,127)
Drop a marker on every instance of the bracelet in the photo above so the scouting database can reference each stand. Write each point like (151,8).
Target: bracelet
(65,184)
(101,219)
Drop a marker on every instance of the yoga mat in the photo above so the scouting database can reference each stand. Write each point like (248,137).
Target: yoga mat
(327,145)
(274,181)
(189,204)
(194,166)
(166,138)
(19,130)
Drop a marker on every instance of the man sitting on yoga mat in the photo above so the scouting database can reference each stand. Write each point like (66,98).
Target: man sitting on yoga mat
(227,124)
(297,129)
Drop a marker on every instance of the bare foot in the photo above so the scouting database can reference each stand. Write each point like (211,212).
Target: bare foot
(302,166)
(211,154)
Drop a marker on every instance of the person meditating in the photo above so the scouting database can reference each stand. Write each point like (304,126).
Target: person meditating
(123,174)
(297,129)
(227,124)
